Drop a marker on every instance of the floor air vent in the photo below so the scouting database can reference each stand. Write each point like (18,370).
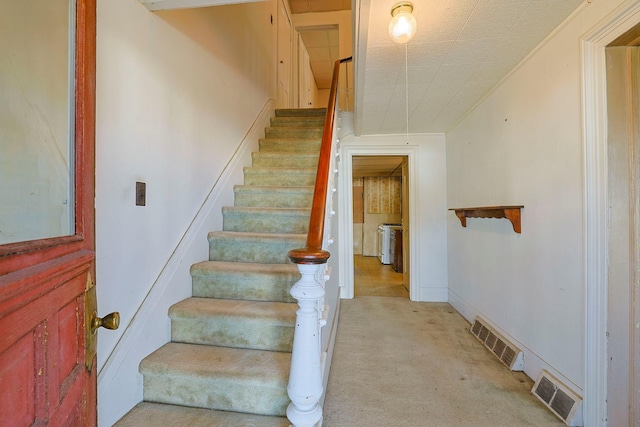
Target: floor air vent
(506,352)
(560,399)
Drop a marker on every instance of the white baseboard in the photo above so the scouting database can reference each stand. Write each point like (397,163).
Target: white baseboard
(119,382)
(533,364)
(434,294)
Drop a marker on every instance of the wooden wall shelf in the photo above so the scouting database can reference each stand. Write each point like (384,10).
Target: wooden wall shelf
(512,213)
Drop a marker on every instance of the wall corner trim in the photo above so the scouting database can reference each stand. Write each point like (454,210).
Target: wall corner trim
(594,119)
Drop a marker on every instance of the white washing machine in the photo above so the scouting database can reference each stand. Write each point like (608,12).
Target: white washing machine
(384,242)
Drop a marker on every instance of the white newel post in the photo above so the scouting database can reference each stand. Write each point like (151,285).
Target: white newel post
(305,377)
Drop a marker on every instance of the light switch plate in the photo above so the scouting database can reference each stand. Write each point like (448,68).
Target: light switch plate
(141,194)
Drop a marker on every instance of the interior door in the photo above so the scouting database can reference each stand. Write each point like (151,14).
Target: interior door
(305,79)
(284,57)
(47,86)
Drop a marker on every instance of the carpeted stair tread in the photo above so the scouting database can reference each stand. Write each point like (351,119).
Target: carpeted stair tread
(243,280)
(147,414)
(229,379)
(290,145)
(265,219)
(300,121)
(291,159)
(271,196)
(255,325)
(271,170)
(293,132)
(280,177)
(267,248)
(301,112)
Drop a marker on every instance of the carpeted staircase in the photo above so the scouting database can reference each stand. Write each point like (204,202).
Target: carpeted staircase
(228,360)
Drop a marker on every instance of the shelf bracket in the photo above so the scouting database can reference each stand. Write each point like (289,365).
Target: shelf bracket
(512,213)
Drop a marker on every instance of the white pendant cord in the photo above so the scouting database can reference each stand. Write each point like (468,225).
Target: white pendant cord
(406,89)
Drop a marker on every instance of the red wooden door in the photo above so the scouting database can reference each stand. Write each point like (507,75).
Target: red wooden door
(43,375)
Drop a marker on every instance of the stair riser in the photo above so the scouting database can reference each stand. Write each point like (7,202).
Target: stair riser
(274,200)
(216,393)
(285,160)
(243,285)
(234,332)
(251,251)
(155,414)
(292,132)
(305,112)
(265,223)
(292,146)
(279,180)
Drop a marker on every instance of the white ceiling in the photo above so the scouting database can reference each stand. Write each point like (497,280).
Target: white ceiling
(462,48)
(322,45)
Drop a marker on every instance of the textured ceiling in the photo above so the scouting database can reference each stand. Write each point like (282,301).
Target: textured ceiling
(322,45)
(461,50)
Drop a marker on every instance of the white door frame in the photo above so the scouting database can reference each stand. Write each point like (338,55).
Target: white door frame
(595,213)
(345,208)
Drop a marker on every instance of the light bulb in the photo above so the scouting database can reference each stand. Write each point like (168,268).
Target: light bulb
(403,25)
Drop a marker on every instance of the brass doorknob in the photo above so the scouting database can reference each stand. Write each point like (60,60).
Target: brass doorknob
(110,321)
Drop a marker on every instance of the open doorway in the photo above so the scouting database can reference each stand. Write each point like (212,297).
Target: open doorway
(598,397)
(380,214)
(318,51)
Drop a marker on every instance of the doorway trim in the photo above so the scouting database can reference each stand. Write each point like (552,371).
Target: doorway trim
(595,252)
(345,208)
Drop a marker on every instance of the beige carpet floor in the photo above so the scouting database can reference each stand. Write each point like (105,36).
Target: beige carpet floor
(401,363)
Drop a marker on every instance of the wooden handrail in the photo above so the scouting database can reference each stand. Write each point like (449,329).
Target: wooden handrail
(313,253)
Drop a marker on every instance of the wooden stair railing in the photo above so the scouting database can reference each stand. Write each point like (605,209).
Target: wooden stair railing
(305,378)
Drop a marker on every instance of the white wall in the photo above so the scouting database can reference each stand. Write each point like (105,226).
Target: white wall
(523,146)
(176,93)
(427,208)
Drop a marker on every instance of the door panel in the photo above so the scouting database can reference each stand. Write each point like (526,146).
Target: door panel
(43,375)
(42,352)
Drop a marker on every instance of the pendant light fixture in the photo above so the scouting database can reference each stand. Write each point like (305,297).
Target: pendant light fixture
(403,25)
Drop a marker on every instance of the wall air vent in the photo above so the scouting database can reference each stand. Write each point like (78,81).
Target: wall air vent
(559,398)
(505,351)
